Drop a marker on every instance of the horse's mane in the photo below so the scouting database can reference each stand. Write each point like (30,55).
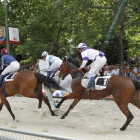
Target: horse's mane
(74,62)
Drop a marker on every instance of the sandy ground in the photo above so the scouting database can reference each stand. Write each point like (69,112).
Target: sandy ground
(89,120)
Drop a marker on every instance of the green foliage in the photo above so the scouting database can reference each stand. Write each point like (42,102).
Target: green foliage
(49,25)
(27,61)
(112,49)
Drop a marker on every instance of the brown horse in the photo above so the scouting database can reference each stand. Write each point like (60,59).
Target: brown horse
(123,89)
(28,84)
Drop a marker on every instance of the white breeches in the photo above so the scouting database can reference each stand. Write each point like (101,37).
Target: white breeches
(96,66)
(14,66)
(56,65)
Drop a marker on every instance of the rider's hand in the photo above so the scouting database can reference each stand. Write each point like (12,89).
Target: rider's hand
(80,68)
(87,68)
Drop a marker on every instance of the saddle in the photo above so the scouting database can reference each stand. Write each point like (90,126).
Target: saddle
(9,76)
(54,73)
(100,82)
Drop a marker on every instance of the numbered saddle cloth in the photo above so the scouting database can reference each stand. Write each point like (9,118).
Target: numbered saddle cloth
(100,82)
(10,76)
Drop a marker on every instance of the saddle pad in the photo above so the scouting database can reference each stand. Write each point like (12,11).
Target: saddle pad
(10,77)
(54,73)
(101,82)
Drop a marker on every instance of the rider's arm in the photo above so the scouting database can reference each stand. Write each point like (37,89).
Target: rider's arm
(85,59)
(2,63)
(47,62)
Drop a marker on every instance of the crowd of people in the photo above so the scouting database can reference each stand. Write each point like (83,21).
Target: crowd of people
(131,69)
(30,66)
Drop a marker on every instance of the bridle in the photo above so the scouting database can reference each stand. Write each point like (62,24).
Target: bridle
(69,71)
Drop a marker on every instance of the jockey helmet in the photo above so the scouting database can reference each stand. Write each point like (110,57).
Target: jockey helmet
(44,53)
(4,51)
(81,45)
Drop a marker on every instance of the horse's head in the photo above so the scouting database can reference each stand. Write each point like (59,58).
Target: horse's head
(64,69)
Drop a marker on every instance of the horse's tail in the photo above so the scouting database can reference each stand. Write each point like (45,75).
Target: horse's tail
(47,81)
(137,84)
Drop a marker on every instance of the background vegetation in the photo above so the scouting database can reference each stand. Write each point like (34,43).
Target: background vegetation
(49,25)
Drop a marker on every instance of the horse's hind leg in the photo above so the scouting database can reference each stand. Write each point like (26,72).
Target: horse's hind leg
(6,103)
(136,100)
(71,107)
(1,105)
(49,106)
(40,101)
(125,110)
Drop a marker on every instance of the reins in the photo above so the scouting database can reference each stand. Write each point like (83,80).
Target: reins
(77,70)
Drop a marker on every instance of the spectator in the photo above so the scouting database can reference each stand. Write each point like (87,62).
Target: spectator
(2,38)
(109,73)
(101,72)
(133,72)
(138,57)
(138,73)
(115,71)
(106,66)
(127,70)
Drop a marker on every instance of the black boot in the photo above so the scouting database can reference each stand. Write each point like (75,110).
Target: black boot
(92,84)
(1,78)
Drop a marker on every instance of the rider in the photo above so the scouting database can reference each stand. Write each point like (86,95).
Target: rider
(98,61)
(53,62)
(10,61)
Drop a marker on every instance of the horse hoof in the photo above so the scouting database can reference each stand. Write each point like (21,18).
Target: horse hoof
(39,110)
(122,129)
(56,113)
(62,117)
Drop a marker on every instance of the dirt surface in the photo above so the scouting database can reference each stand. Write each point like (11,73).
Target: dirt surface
(98,120)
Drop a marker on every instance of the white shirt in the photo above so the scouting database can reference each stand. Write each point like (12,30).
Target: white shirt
(88,54)
(138,58)
(108,74)
(50,60)
(105,72)
(115,72)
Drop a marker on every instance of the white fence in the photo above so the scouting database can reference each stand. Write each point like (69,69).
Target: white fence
(13,134)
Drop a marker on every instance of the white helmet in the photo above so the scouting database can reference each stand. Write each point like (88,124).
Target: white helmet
(81,45)
(44,53)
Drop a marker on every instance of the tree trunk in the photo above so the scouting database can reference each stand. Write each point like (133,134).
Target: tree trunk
(121,45)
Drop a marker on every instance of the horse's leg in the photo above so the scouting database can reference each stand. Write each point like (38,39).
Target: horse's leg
(40,101)
(49,95)
(6,103)
(125,110)
(62,100)
(49,106)
(71,107)
(136,100)
(70,96)
(1,105)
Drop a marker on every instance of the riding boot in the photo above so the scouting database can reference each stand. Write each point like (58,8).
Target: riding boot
(48,73)
(1,78)
(92,84)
